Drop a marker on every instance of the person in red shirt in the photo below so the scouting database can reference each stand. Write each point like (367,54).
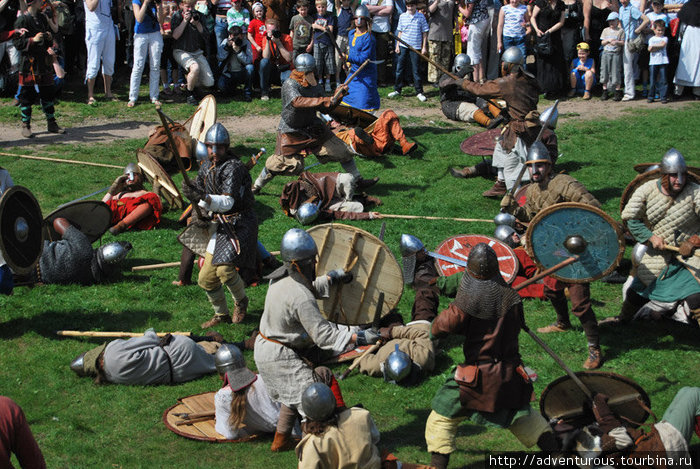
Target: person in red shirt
(257,31)
(276,57)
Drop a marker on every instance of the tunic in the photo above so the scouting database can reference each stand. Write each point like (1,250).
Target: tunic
(349,445)
(660,276)
(229,185)
(141,361)
(413,339)
(292,321)
(35,64)
(123,206)
(559,188)
(362,91)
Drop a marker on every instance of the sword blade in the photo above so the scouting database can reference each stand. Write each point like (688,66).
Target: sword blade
(447,258)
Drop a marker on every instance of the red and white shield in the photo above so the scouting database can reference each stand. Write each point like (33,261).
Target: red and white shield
(459,247)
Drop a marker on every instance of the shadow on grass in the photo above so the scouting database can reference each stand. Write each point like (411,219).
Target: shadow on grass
(570,166)
(383,190)
(47,323)
(607,193)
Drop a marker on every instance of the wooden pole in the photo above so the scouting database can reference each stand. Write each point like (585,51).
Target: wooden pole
(164,265)
(544,273)
(114,334)
(61,160)
(425,217)
(194,420)
(357,360)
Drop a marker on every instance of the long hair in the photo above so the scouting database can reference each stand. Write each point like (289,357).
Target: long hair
(238,403)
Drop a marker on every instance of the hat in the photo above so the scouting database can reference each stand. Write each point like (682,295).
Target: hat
(613,16)
(583,46)
(257,5)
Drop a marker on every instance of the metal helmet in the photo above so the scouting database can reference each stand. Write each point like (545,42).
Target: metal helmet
(305,63)
(217,135)
(229,360)
(132,168)
(111,255)
(307,213)
(538,153)
(297,245)
(397,365)
(549,117)
(410,245)
(674,163)
(318,402)
(504,218)
(201,152)
(362,12)
(77,365)
(504,233)
(462,65)
(482,263)
(513,55)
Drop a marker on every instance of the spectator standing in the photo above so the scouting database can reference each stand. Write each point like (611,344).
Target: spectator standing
(477,16)
(547,20)
(583,74)
(100,43)
(595,14)
(612,40)
(277,57)
(9,10)
(413,28)
(300,30)
(658,61)
(572,31)
(440,38)
(633,22)
(381,11)
(237,66)
(166,56)
(188,49)
(688,71)
(221,21)
(324,26)
(126,8)
(280,10)
(513,25)
(345,20)
(256,31)
(148,43)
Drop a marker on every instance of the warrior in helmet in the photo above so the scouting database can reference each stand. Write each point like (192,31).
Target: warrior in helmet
(149,359)
(132,206)
(330,196)
(292,324)
(520,91)
(491,387)
(362,90)
(301,130)
(223,188)
(549,189)
(463,106)
(665,213)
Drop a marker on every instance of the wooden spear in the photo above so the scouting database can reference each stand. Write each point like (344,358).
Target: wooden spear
(164,265)
(61,160)
(114,334)
(425,217)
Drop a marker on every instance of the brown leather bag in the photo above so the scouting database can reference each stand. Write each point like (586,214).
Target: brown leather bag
(467,375)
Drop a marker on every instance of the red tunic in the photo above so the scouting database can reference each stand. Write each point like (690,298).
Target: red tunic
(122,207)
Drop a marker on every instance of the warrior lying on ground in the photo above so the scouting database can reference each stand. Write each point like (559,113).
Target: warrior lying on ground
(131,205)
(377,138)
(149,360)
(330,196)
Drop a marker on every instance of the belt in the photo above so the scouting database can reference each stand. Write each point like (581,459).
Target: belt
(272,340)
(299,355)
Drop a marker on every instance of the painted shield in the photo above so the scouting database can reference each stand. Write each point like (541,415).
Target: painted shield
(352,116)
(481,144)
(91,217)
(602,248)
(155,172)
(203,118)
(201,429)
(461,245)
(563,399)
(21,237)
(374,269)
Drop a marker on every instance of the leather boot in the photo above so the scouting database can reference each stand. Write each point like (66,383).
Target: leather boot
(53,127)
(363,135)
(439,460)
(595,358)
(362,184)
(118,228)
(216,320)
(407,147)
(240,311)
(282,442)
(498,189)
(27,130)
(627,312)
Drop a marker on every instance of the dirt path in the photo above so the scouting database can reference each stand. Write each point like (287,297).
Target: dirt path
(108,130)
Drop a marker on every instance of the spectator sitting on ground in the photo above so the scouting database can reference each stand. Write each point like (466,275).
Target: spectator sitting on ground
(189,34)
(237,65)
(582,77)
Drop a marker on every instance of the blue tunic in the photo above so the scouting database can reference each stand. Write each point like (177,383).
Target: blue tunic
(363,92)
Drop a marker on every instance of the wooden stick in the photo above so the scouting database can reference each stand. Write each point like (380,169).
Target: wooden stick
(114,334)
(357,360)
(196,420)
(675,249)
(370,272)
(352,77)
(425,217)
(195,415)
(164,265)
(544,273)
(349,263)
(61,160)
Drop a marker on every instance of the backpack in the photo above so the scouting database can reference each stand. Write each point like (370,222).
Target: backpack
(64,18)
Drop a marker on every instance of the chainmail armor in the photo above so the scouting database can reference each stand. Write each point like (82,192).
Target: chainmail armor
(69,260)
(294,119)
(485,299)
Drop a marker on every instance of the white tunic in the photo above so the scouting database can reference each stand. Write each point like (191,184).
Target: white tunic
(688,71)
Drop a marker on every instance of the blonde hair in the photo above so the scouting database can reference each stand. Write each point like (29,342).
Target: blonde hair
(238,403)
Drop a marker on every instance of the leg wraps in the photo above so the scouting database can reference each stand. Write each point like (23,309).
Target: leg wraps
(263,178)
(580,294)
(186,265)
(217,298)
(440,433)
(351,167)
(528,428)
(559,303)
(237,287)
(287,419)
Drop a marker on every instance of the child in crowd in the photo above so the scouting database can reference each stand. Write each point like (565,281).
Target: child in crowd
(513,26)
(324,26)
(237,15)
(256,31)
(658,59)
(166,56)
(613,40)
(582,72)
(413,28)
(657,12)
(300,30)
(344,23)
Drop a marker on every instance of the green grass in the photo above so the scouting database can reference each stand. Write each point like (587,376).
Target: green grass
(79,424)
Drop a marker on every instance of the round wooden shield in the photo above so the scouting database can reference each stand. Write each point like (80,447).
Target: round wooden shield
(374,268)
(203,118)
(551,227)
(352,116)
(91,217)
(481,144)
(520,195)
(202,430)
(460,246)
(563,399)
(21,237)
(155,172)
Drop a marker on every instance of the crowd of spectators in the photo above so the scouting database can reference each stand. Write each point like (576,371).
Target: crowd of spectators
(238,49)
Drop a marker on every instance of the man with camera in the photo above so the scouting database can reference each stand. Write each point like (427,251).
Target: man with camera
(237,64)
(36,67)
(277,57)
(189,34)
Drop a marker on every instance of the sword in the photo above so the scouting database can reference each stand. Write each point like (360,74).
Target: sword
(98,191)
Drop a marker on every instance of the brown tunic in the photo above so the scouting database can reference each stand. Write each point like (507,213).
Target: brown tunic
(558,188)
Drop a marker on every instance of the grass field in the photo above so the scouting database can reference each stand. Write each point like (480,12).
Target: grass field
(80,424)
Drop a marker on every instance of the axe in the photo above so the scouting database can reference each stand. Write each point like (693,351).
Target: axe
(375,326)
